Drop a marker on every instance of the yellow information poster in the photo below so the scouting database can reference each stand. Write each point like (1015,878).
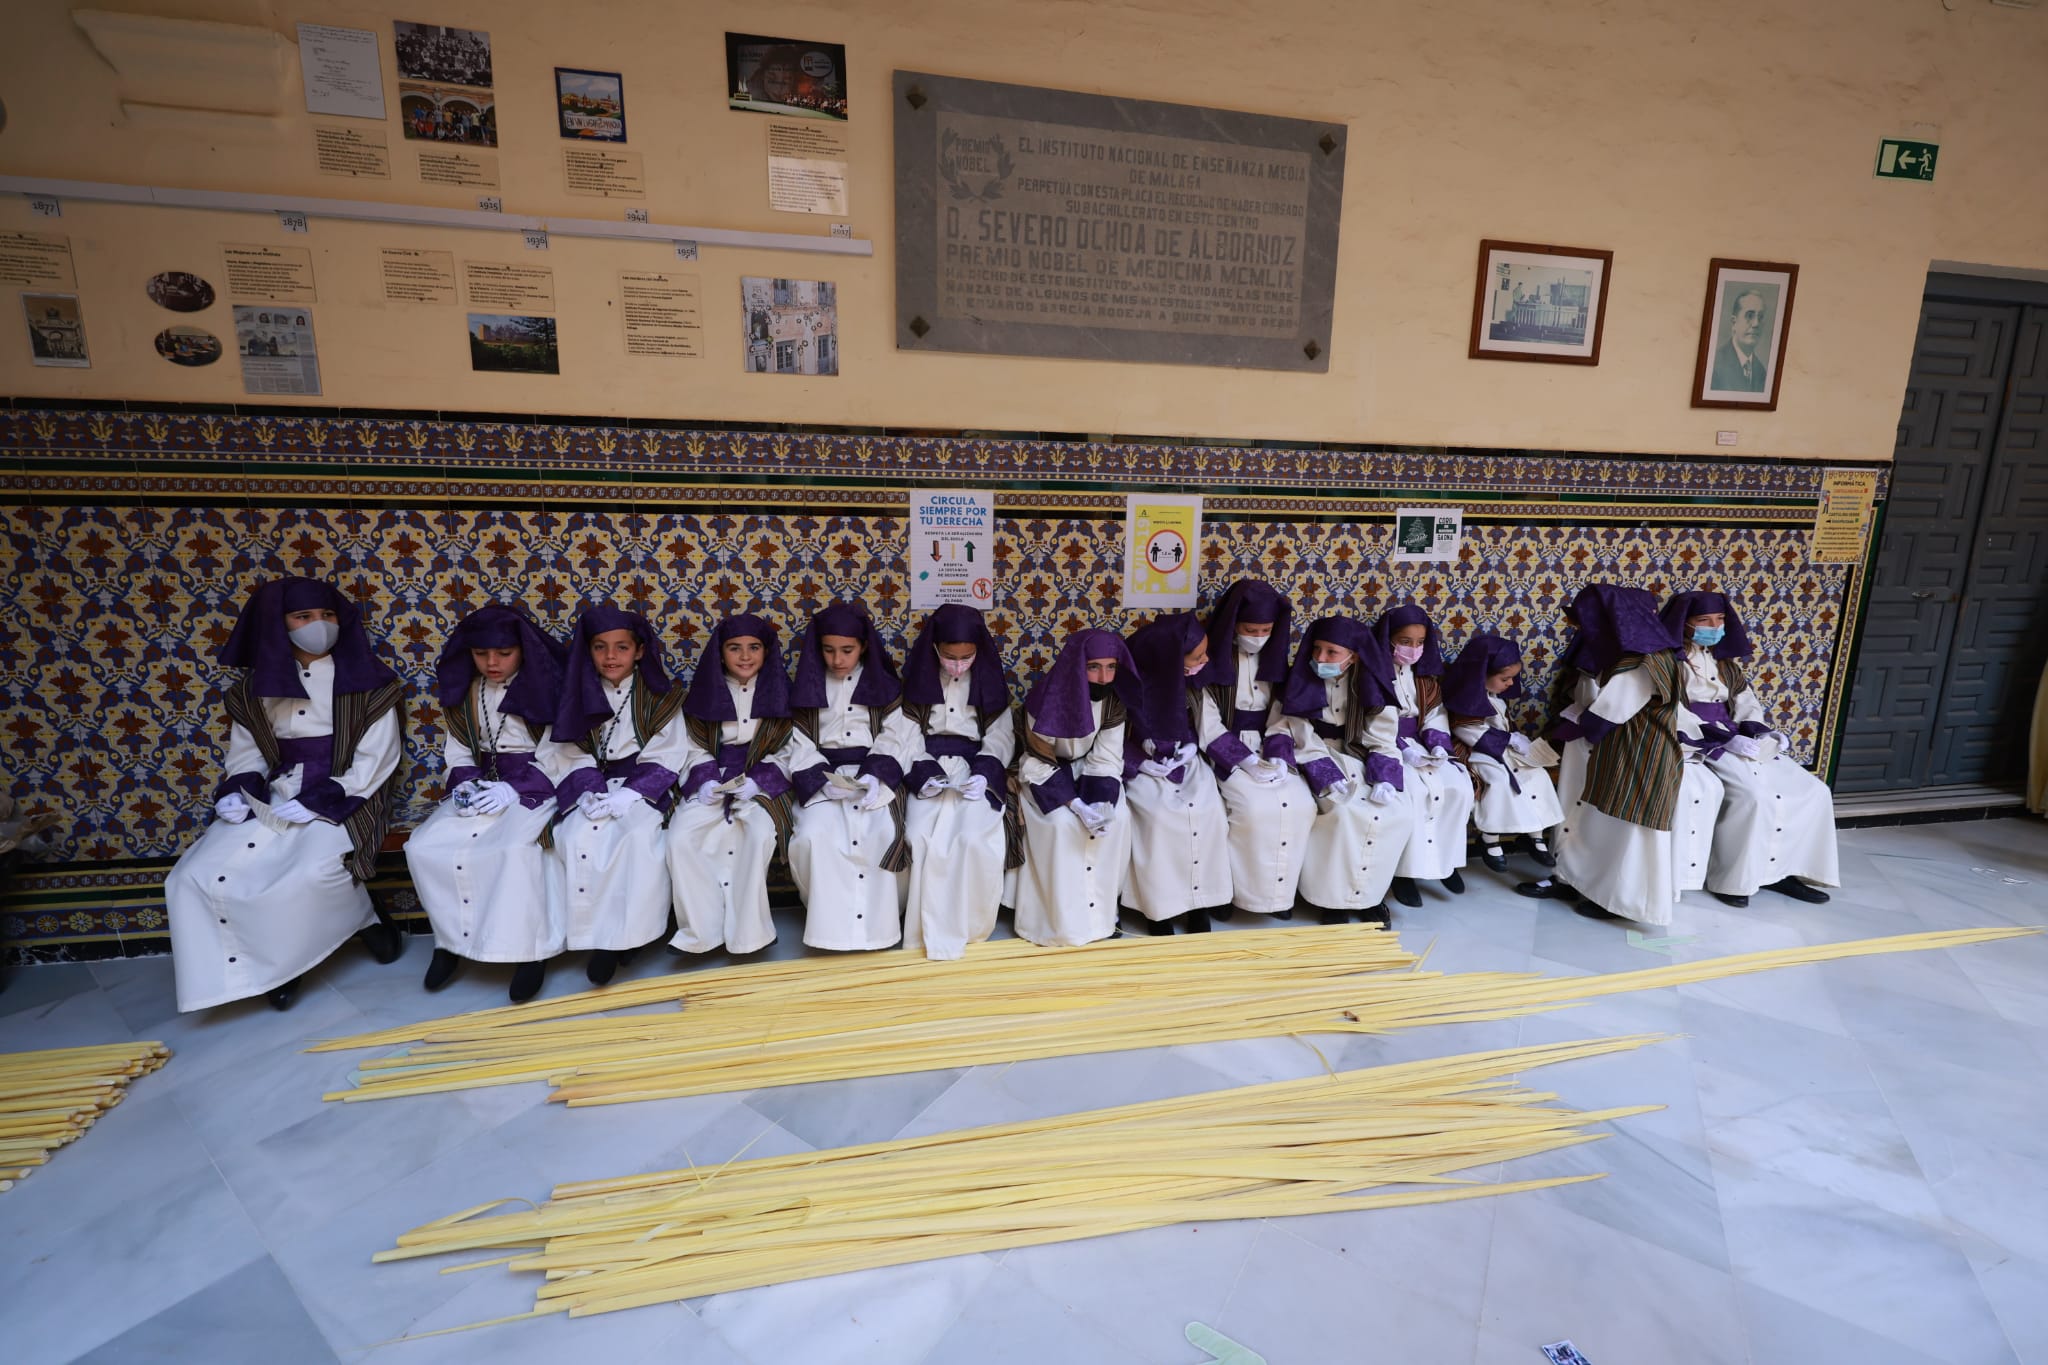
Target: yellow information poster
(1162,545)
(1842,524)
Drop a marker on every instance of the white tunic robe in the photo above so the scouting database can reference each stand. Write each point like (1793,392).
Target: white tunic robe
(1268,822)
(1067,888)
(1355,843)
(483,879)
(1777,819)
(1501,809)
(607,879)
(718,860)
(1624,868)
(1439,796)
(1180,839)
(835,847)
(257,904)
(957,846)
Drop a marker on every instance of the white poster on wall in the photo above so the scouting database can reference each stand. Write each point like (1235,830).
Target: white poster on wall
(342,73)
(952,549)
(1427,535)
(1162,544)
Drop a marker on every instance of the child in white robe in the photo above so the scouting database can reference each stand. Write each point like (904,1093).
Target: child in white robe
(1070,764)
(275,883)
(734,817)
(960,823)
(1180,838)
(848,747)
(477,862)
(1244,735)
(1339,704)
(1638,804)
(1437,787)
(1776,828)
(618,743)
(1516,796)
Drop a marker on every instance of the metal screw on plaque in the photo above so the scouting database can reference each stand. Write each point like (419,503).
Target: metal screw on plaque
(1310,349)
(918,327)
(1327,143)
(914,96)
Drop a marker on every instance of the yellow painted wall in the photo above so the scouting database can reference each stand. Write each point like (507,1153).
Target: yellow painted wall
(1670,131)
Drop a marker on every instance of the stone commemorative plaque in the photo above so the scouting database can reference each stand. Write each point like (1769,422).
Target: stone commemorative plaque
(1052,223)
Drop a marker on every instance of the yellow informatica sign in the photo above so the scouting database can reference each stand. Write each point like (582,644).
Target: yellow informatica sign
(1162,545)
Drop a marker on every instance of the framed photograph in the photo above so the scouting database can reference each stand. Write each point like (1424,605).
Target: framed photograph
(791,326)
(513,343)
(591,105)
(785,76)
(56,331)
(1543,303)
(443,55)
(1743,333)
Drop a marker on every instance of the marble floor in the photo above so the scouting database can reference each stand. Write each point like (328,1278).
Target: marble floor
(1852,1165)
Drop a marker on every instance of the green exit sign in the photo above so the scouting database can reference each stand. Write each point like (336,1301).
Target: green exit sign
(1905,160)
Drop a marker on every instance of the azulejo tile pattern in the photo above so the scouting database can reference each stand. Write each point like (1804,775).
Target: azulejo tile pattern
(112,698)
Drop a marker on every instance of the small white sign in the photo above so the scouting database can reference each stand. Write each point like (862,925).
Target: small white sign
(1724,438)
(952,549)
(536,239)
(1427,535)
(290,221)
(686,251)
(490,203)
(636,215)
(1162,549)
(842,229)
(45,206)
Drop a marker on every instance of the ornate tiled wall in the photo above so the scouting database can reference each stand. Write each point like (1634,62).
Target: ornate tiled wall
(131,539)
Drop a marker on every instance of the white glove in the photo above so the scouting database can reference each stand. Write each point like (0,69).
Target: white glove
(1183,754)
(708,795)
(293,813)
(233,808)
(877,796)
(597,805)
(1742,746)
(1338,792)
(1382,792)
(975,788)
(1413,754)
(932,788)
(1267,771)
(494,797)
(1095,816)
(1439,753)
(619,800)
(748,790)
(834,792)
(1161,768)
(1518,741)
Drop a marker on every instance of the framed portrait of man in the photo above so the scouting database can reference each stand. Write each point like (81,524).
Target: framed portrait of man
(1743,333)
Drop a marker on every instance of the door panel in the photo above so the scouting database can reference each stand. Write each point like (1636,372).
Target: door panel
(1948,424)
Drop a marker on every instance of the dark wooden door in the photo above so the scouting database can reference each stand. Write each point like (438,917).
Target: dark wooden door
(2001,638)
(1947,432)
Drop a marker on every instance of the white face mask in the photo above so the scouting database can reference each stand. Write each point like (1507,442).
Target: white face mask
(316,637)
(1251,644)
(957,668)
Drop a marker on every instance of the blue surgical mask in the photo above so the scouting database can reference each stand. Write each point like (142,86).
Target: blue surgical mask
(1708,636)
(1327,671)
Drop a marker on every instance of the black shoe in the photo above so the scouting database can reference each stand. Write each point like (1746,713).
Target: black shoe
(1158,928)
(1592,911)
(626,957)
(281,997)
(1197,921)
(1546,890)
(1737,901)
(1798,891)
(1405,892)
(1333,916)
(602,965)
(442,969)
(1223,912)
(385,942)
(1494,858)
(1283,914)
(1455,883)
(1380,915)
(526,981)
(1539,850)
